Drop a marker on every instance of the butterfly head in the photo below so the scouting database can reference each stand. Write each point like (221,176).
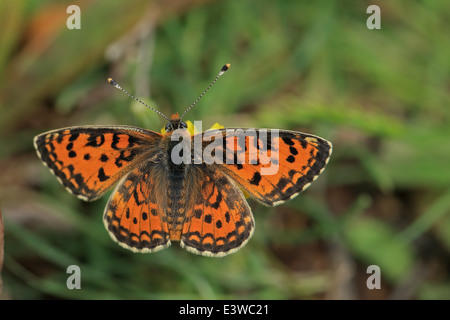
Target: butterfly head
(175,123)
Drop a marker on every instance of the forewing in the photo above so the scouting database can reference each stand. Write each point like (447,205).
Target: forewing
(271,165)
(89,160)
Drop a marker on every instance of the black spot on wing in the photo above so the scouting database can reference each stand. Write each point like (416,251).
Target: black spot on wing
(72,154)
(74,136)
(101,175)
(95,140)
(293,151)
(290,159)
(288,141)
(256,179)
(115,141)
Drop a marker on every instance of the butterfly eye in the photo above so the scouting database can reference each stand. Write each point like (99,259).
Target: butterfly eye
(168,127)
(183,125)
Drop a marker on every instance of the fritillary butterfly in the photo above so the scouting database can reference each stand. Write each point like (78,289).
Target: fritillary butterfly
(158,200)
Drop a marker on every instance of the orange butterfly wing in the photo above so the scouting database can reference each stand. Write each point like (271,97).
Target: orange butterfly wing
(273,166)
(134,216)
(89,160)
(220,221)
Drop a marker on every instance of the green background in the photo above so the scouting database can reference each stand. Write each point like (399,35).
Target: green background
(380,96)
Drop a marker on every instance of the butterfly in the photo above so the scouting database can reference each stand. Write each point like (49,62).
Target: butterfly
(198,202)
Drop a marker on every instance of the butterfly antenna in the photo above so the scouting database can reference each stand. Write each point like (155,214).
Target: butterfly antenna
(116,85)
(222,71)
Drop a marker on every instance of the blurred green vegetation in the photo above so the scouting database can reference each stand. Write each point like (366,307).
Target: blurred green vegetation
(381,96)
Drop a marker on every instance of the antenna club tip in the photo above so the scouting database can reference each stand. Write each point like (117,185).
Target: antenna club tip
(226,67)
(112,82)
